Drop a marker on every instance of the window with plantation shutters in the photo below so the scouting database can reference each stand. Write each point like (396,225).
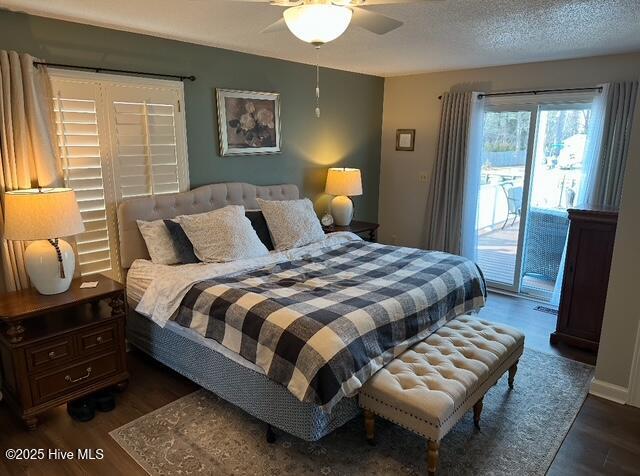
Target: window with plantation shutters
(119,137)
(79,140)
(146,148)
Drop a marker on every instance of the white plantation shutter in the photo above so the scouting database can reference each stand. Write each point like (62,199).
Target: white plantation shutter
(146,140)
(118,138)
(82,152)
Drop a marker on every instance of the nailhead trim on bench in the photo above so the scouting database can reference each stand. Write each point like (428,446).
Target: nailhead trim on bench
(386,404)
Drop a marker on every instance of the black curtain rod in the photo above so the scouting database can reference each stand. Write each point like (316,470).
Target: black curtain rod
(537,91)
(111,70)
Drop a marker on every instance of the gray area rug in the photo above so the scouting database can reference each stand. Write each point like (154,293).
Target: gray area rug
(521,433)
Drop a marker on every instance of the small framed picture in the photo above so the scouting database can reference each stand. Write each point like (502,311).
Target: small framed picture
(248,122)
(405,139)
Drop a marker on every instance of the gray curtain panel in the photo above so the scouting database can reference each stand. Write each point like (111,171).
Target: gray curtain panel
(28,154)
(445,202)
(620,105)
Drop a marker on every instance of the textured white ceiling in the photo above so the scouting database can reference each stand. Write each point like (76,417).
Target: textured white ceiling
(452,34)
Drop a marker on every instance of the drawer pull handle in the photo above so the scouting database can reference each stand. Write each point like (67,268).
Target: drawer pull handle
(99,339)
(74,380)
(52,355)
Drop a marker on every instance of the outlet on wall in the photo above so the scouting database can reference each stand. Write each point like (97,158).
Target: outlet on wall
(422,177)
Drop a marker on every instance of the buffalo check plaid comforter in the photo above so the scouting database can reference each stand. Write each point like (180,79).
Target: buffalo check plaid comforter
(322,325)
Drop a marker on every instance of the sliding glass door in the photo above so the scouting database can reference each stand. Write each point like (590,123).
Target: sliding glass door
(507,142)
(531,173)
(555,183)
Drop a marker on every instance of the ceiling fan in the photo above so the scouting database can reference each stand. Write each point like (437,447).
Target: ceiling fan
(321,21)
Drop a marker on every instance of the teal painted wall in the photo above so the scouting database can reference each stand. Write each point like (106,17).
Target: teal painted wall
(348,133)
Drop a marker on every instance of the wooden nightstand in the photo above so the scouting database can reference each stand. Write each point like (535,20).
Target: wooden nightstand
(58,348)
(367,230)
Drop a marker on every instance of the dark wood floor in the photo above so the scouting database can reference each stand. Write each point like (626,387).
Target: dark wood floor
(604,439)
(151,386)
(536,325)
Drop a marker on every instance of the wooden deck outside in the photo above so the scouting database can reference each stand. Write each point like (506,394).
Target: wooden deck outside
(497,258)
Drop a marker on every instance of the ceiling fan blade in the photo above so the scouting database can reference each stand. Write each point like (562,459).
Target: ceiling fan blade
(280,25)
(286,3)
(374,22)
(277,3)
(365,3)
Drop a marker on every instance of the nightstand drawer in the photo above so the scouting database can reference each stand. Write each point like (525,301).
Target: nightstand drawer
(97,340)
(51,385)
(56,351)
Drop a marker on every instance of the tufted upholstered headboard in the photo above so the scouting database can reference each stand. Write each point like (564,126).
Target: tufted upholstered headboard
(198,200)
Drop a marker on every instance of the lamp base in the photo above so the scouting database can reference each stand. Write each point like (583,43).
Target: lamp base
(342,210)
(43,267)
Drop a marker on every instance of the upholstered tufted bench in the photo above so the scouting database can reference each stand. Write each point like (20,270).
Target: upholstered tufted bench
(429,387)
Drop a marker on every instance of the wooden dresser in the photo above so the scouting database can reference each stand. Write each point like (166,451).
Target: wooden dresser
(58,348)
(586,277)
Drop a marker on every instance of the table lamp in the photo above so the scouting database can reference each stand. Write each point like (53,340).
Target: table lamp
(43,216)
(343,183)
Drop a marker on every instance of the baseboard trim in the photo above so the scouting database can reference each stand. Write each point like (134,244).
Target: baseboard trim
(634,377)
(610,391)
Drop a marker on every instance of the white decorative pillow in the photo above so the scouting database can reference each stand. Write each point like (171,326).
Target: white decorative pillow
(292,223)
(222,235)
(159,242)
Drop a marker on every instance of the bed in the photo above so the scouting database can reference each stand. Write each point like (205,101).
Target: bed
(213,365)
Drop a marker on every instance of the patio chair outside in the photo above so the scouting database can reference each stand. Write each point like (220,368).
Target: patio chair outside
(545,238)
(514,202)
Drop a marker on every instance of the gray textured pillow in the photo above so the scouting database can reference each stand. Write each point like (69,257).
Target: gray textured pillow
(222,235)
(159,242)
(292,223)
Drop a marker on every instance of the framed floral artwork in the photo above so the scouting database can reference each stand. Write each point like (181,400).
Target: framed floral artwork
(248,122)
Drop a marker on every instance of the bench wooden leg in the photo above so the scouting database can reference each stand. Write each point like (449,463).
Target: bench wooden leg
(271,435)
(477,411)
(432,457)
(512,373)
(31,422)
(369,426)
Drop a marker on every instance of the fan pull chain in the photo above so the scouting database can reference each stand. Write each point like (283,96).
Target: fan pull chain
(318,82)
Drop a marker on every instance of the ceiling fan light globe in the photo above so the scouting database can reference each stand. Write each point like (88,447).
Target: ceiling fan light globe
(317,23)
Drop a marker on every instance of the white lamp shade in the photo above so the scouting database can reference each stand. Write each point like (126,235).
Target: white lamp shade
(344,181)
(41,214)
(317,23)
